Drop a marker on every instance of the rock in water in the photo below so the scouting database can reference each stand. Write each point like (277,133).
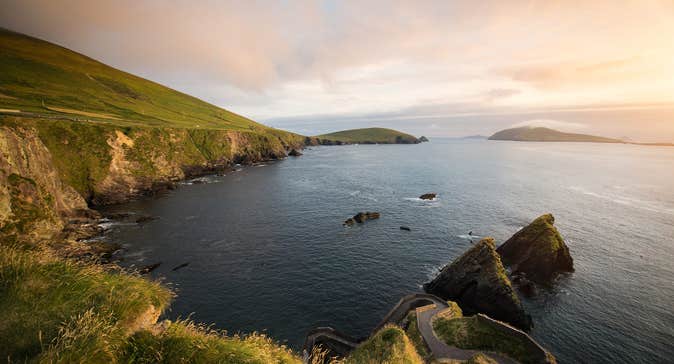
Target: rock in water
(428,196)
(361,217)
(294,153)
(478,282)
(537,250)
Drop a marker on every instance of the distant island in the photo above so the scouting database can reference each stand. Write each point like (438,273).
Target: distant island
(542,134)
(366,136)
(472,137)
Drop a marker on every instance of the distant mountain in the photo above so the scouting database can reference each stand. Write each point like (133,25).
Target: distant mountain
(366,136)
(474,137)
(541,134)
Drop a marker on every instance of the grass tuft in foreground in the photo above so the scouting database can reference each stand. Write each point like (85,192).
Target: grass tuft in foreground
(53,305)
(186,342)
(389,345)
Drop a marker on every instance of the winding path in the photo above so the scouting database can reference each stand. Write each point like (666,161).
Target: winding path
(438,348)
(427,306)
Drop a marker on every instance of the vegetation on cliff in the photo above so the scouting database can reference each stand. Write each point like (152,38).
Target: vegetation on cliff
(389,345)
(471,333)
(74,133)
(367,136)
(51,306)
(477,281)
(541,134)
(538,251)
(56,310)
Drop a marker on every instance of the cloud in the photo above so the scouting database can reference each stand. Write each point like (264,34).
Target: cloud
(500,93)
(402,59)
(574,74)
(552,124)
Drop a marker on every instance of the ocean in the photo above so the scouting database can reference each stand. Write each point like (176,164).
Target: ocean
(267,251)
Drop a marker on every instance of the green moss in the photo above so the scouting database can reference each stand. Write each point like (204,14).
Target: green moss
(389,345)
(470,333)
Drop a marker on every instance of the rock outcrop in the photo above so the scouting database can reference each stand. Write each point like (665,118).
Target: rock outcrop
(423,139)
(294,153)
(478,282)
(361,217)
(537,251)
(428,196)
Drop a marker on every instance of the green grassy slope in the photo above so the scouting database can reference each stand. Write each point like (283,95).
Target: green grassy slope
(540,134)
(60,311)
(40,77)
(369,136)
(388,345)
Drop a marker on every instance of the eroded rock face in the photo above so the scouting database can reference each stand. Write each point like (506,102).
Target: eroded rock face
(34,202)
(294,153)
(538,251)
(478,282)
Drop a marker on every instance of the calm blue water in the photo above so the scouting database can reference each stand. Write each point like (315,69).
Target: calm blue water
(267,250)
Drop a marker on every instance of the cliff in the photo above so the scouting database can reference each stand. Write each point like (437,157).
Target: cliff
(50,169)
(538,251)
(74,134)
(477,281)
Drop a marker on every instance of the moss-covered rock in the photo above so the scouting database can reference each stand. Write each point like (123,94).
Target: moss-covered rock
(478,282)
(538,251)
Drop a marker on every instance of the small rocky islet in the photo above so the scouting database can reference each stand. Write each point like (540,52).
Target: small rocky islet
(477,281)
(361,217)
(537,252)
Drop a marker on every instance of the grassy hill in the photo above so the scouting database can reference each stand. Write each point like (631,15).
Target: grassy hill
(75,133)
(367,136)
(40,77)
(541,134)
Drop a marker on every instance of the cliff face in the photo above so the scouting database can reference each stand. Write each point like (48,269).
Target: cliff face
(50,169)
(34,202)
(477,281)
(538,251)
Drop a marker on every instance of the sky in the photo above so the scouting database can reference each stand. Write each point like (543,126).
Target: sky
(435,68)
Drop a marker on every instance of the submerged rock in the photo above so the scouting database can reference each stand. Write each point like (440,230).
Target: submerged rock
(428,196)
(180,266)
(478,282)
(145,218)
(538,251)
(361,217)
(149,268)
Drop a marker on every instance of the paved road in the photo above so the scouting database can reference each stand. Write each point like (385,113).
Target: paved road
(438,348)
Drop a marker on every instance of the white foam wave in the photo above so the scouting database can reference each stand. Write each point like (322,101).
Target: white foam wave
(469,237)
(652,206)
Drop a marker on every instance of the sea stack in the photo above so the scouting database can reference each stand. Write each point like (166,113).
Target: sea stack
(478,282)
(538,251)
